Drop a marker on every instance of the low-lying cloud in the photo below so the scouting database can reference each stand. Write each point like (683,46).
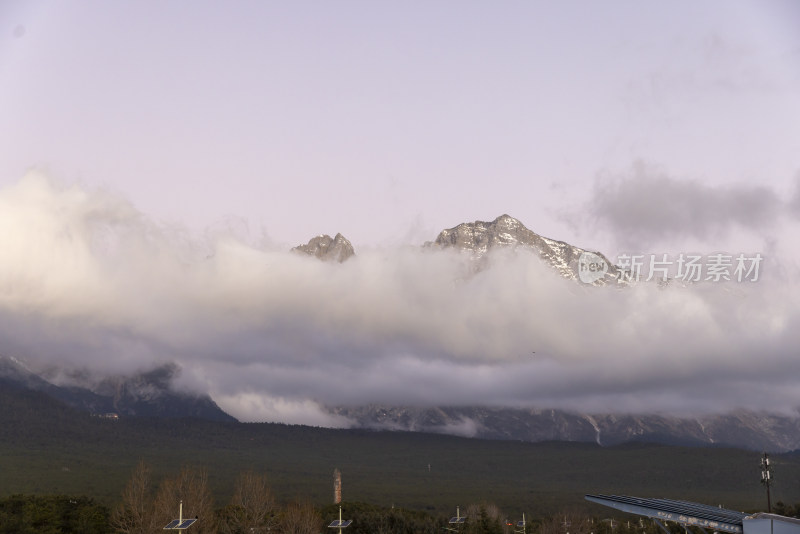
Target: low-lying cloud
(88,282)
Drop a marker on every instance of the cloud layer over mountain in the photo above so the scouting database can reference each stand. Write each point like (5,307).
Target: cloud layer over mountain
(88,282)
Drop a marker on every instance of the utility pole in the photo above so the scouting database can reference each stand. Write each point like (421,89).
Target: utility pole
(766,478)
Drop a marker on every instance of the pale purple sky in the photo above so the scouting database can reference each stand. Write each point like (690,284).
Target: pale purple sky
(178,149)
(391,121)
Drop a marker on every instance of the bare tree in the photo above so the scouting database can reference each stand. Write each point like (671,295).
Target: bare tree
(568,522)
(135,514)
(252,508)
(493,511)
(484,518)
(189,489)
(300,517)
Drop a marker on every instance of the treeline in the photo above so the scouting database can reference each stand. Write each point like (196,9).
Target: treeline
(61,514)
(786,509)
(52,514)
(146,508)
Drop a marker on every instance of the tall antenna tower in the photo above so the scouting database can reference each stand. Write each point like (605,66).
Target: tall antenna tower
(337,486)
(766,478)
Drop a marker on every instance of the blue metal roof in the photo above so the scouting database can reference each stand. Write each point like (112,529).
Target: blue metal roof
(685,512)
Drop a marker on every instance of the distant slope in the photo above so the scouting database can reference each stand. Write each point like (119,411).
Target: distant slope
(147,394)
(745,430)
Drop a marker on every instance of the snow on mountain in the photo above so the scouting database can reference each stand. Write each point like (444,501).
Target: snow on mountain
(480,237)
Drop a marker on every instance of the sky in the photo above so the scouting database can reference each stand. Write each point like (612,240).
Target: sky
(159,160)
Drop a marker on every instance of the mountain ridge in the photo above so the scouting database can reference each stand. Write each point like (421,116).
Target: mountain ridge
(147,394)
(741,429)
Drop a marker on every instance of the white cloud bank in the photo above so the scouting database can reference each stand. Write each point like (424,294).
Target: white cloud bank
(86,281)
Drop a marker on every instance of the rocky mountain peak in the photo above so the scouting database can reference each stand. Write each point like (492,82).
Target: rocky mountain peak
(479,237)
(326,248)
